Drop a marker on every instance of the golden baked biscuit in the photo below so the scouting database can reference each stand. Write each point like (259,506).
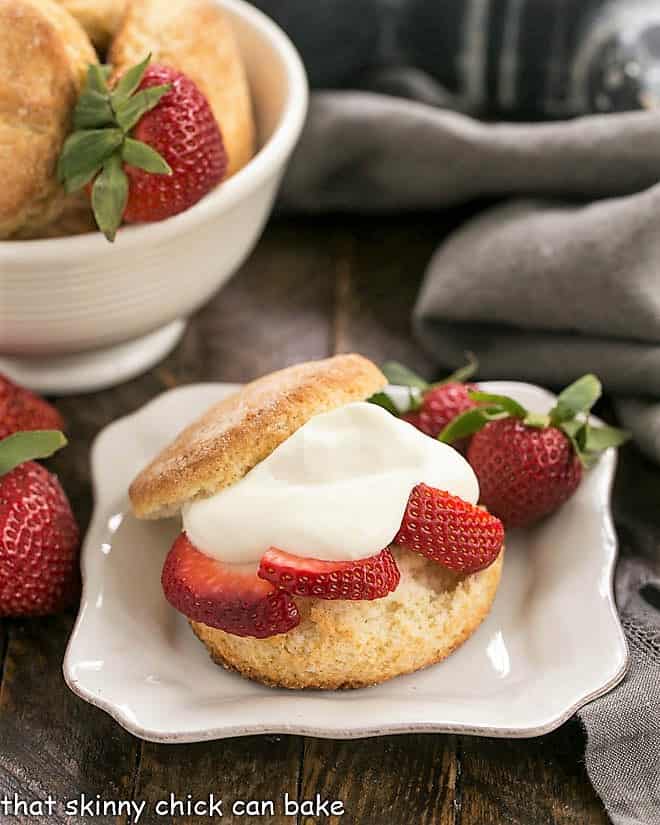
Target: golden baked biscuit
(240,431)
(194,37)
(99,18)
(75,218)
(44,55)
(337,643)
(352,644)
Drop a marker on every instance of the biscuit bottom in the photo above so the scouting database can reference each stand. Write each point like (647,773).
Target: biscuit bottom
(344,644)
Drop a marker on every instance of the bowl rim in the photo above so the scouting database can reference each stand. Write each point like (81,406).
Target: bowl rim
(266,162)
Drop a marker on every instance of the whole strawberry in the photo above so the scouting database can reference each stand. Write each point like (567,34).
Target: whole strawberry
(431,407)
(38,533)
(21,410)
(525,473)
(147,149)
(183,130)
(441,404)
(529,464)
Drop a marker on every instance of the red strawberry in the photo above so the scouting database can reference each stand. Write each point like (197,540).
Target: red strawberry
(226,596)
(449,530)
(524,472)
(431,406)
(183,130)
(146,149)
(412,417)
(38,543)
(529,463)
(21,409)
(442,404)
(370,578)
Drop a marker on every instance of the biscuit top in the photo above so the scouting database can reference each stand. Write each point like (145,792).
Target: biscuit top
(240,431)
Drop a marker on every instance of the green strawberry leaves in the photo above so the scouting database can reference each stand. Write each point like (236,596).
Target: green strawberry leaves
(397,374)
(129,81)
(502,402)
(137,153)
(570,415)
(470,422)
(577,398)
(109,196)
(93,111)
(129,113)
(382,399)
(462,374)
(83,153)
(20,447)
(100,143)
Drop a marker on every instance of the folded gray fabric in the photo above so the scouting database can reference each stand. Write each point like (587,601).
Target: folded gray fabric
(372,152)
(561,278)
(575,283)
(623,727)
(546,292)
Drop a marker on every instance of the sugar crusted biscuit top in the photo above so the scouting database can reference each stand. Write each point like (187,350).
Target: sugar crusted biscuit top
(234,435)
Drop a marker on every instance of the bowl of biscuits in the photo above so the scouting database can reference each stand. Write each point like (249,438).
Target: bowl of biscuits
(141,147)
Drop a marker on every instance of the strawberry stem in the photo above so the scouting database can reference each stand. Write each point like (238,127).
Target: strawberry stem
(462,374)
(570,415)
(100,143)
(400,375)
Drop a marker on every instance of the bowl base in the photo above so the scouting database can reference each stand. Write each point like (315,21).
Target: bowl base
(96,369)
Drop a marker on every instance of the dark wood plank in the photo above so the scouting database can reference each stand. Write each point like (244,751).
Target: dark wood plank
(236,771)
(397,779)
(528,781)
(52,743)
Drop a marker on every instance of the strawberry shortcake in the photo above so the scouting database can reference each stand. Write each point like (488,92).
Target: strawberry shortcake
(325,542)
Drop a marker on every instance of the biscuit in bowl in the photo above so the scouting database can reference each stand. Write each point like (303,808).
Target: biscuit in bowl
(44,55)
(99,18)
(194,37)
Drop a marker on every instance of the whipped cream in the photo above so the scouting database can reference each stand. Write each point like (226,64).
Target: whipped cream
(336,489)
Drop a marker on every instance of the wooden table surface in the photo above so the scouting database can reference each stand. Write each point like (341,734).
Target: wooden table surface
(310,289)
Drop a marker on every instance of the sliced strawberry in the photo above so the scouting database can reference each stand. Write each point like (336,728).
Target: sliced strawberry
(225,596)
(370,578)
(449,530)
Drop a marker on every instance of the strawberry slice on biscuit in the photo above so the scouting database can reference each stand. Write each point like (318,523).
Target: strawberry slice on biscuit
(229,597)
(363,579)
(449,530)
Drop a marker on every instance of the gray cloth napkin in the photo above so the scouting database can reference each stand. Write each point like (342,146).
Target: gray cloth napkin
(560,277)
(567,270)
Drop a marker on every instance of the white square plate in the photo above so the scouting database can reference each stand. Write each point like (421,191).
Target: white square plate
(551,642)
